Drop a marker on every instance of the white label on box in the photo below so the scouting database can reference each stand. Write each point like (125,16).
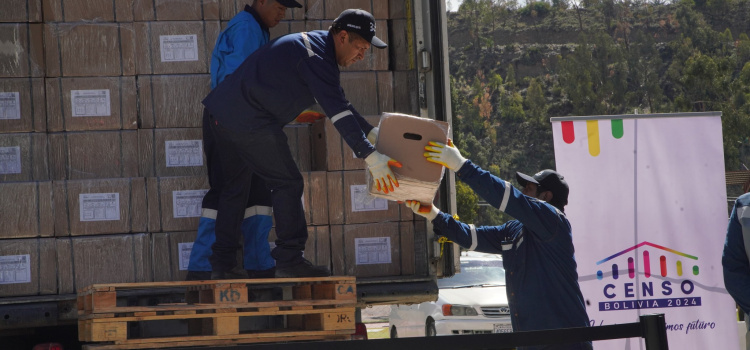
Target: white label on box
(90,103)
(375,250)
(179,48)
(15,269)
(10,160)
(99,206)
(10,105)
(187,204)
(184,153)
(363,201)
(184,249)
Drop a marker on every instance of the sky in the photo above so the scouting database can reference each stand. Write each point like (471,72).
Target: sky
(453,5)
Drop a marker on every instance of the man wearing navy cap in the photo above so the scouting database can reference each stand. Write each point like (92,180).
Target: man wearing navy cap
(246,32)
(537,247)
(247,112)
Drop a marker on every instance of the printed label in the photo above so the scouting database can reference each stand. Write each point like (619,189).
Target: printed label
(363,201)
(90,103)
(15,269)
(375,250)
(179,48)
(184,153)
(99,206)
(187,204)
(10,160)
(10,105)
(184,249)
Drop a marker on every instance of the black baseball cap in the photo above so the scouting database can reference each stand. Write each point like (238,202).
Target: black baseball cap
(360,22)
(548,180)
(289,3)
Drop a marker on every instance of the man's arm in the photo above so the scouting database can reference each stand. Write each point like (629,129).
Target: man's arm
(234,45)
(735,262)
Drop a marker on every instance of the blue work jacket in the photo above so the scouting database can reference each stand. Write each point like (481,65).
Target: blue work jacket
(244,34)
(734,258)
(537,250)
(283,78)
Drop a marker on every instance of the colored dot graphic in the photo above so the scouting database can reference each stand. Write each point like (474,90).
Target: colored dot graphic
(646,261)
(592,132)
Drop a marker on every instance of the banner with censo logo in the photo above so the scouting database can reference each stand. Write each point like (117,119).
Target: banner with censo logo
(649,215)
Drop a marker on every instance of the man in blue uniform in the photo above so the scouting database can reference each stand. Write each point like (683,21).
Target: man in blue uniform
(244,34)
(251,106)
(537,247)
(735,259)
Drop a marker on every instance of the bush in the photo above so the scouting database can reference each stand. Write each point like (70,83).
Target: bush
(541,9)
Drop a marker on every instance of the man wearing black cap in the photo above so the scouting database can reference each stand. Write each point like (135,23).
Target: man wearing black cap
(247,112)
(537,247)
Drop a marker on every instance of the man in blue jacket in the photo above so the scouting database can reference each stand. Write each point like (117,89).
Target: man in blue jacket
(248,111)
(244,34)
(735,259)
(537,247)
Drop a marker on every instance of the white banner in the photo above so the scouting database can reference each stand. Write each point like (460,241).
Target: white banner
(649,215)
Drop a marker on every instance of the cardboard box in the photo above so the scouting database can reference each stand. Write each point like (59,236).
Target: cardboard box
(171,252)
(22,102)
(90,49)
(25,54)
(371,250)
(315,198)
(175,10)
(88,10)
(369,92)
(174,203)
(99,206)
(171,152)
(330,151)
(28,208)
(406,92)
(23,157)
(402,45)
(350,203)
(172,101)
(317,247)
(229,8)
(403,137)
(94,103)
(29,267)
(299,137)
(330,9)
(21,11)
(93,155)
(83,261)
(177,47)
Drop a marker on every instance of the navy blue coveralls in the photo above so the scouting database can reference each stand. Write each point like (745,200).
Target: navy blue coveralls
(537,249)
(248,112)
(244,34)
(734,258)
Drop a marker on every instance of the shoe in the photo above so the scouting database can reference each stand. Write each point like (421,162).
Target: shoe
(234,274)
(253,274)
(303,269)
(198,276)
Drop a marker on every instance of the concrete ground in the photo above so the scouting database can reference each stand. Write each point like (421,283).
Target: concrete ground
(376,317)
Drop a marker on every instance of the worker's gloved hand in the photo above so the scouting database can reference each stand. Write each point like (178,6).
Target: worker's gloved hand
(428,211)
(379,165)
(372,136)
(445,155)
(309,116)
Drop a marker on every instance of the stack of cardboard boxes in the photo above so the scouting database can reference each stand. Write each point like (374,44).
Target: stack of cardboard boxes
(102,169)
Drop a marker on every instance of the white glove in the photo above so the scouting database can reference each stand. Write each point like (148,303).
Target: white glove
(445,155)
(379,165)
(429,212)
(372,136)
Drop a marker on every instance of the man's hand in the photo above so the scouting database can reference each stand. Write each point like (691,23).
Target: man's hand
(445,155)
(309,116)
(428,211)
(372,136)
(379,165)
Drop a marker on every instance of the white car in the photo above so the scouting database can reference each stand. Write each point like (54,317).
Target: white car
(471,302)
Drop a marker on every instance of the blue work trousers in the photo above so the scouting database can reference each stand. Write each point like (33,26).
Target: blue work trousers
(263,153)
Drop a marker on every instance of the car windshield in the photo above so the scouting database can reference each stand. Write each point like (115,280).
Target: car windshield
(476,272)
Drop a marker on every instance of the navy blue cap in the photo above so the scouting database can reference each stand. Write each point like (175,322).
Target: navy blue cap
(289,3)
(360,22)
(549,180)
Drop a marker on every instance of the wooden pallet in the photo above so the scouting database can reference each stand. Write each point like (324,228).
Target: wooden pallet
(311,308)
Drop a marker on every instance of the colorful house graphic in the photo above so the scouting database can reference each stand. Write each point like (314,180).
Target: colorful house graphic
(646,260)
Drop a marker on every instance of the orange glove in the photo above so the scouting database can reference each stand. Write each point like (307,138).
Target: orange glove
(429,211)
(309,116)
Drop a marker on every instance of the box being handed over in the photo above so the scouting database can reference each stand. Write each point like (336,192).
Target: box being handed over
(403,138)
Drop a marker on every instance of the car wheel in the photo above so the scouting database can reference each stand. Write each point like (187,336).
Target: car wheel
(429,329)
(394,332)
